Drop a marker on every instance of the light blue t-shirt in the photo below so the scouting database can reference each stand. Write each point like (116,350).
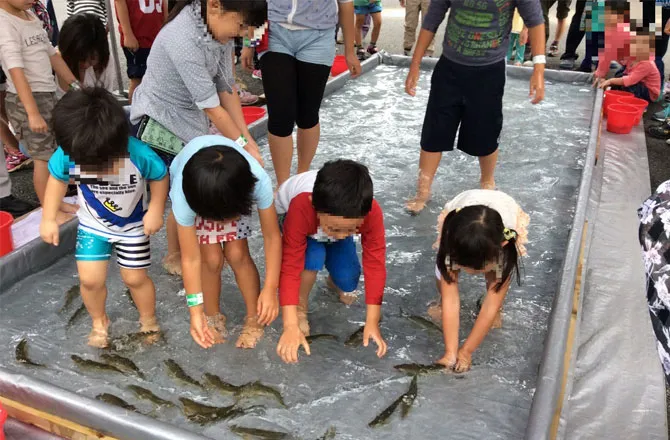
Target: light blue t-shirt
(183,213)
(112,205)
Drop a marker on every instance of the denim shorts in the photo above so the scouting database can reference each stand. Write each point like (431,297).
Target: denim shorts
(371,8)
(306,45)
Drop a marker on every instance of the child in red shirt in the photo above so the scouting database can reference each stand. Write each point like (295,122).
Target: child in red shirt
(322,211)
(640,76)
(139,23)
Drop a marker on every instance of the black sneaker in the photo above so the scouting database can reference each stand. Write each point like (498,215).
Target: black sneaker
(660,131)
(16,207)
(553,49)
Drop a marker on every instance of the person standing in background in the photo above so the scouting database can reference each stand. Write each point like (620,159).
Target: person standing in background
(412,10)
(139,24)
(95,7)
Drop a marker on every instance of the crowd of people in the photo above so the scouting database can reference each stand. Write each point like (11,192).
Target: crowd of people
(185,138)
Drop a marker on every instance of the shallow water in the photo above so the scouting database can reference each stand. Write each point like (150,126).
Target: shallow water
(373,121)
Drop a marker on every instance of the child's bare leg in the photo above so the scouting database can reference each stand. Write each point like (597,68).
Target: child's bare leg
(246,274)
(172,261)
(308,141)
(144,296)
(212,259)
(487,164)
(358,36)
(435,308)
(133,84)
(6,136)
(307,280)
(428,163)
(281,150)
(346,298)
(40,177)
(92,278)
(377,27)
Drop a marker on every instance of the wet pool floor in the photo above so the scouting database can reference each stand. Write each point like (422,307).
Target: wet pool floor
(370,120)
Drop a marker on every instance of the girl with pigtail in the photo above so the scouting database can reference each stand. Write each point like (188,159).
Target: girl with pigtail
(479,232)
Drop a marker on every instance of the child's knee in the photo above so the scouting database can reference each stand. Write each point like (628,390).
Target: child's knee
(237,255)
(134,278)
(212,261)
(91,283)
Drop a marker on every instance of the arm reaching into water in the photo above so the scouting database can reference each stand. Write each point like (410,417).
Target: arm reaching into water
(451,307)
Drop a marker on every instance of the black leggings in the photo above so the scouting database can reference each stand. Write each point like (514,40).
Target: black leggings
(294,90)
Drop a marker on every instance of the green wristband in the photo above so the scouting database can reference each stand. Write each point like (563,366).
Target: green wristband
(194,299)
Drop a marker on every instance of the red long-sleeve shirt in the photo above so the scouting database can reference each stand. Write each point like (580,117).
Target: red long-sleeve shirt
(301,222)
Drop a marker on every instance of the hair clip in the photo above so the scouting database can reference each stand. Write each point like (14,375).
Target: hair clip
(509,234)
(447,262)
(458,210)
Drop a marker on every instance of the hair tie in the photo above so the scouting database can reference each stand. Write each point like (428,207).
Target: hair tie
(509,234)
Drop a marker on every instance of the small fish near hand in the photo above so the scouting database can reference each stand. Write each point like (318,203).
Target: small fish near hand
(406,400)
(356,338)
(204,414)
(122,363)
(421,321)
(116,401)
(258,389)
(93,365)
(22,355)
(419,369)
(70,296)
(312,338)
(143,393)
(133,341)
(245,432)
(219,384)
(178,373)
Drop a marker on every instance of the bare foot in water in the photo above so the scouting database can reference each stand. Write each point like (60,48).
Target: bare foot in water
(346,298)
(217,325)
(416,204)
(99,336)
(252,332)
(303,323)
(172,263)
(487,185)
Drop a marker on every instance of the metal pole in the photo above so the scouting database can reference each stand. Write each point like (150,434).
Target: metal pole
(115,53)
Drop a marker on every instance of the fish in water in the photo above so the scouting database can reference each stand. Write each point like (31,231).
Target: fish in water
(330,434)
(415,369)
(425,323)
(356,338)
(258,389)
(93,365)
(143,393)
(116,401)
(407,399)
(122,363)
(22,354)
(70,296)
(203,414)
(133,341)
(215,381)
(243,431)
(76,315)
(312,338)
(178,373)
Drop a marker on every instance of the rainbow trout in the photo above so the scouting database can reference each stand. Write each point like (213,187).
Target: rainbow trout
(88,364)
(145,394)
(205,414)
(356,338)
(122,363)
(116,401)
(178,373)
(406,400)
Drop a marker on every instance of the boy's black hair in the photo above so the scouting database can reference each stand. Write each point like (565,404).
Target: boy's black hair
(473,237)
(83,37)
(90,126)
(343,188)
(218,183)
(255,12)
(621,7)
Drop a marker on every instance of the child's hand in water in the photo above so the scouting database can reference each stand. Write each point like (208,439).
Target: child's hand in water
(49,231)
(268,307)
(199,329)
(153,222)
(463,361)
(448,360)
(371,331)
(290,342)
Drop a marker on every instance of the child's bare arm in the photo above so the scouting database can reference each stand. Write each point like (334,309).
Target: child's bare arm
(230,103)
(129,40)
(372,317)
(490,308)
(35,119)
(612,82)
(62,70)
(153,219)
(268,303)
(165,10)
(53,196)
(451,308)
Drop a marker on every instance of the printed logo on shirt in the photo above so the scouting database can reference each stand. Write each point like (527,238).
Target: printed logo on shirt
(465,35)
(40,38)
(149,6)
(111,205)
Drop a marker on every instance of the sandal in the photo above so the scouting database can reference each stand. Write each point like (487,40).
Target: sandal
(553,49)
(660,131)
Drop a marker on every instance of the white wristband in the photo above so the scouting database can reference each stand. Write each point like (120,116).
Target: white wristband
(242,141)
(539,59)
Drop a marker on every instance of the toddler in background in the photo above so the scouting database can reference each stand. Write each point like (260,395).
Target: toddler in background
(517,40)
(363,8)
(110,169)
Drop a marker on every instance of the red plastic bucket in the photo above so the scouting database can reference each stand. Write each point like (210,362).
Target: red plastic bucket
(638,103)
(621,118)
(3,419)
(6,243)
(611,97)
(339,65)
(252,114)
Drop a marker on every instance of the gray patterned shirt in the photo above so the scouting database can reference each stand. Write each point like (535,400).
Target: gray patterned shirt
(185,71)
